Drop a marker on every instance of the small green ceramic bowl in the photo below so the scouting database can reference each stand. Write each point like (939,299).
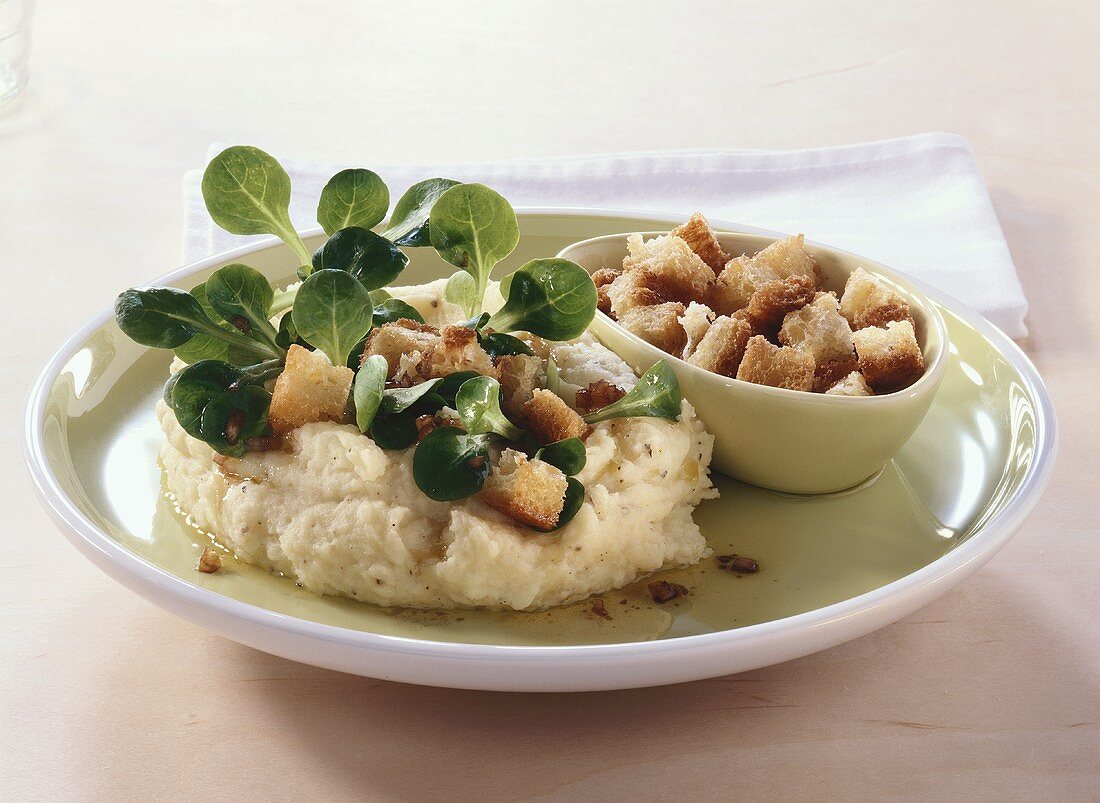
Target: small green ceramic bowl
(788,440)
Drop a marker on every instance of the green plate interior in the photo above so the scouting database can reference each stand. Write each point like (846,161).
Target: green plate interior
(963,464)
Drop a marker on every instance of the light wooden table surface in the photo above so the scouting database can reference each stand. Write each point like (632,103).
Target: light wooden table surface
(991,692)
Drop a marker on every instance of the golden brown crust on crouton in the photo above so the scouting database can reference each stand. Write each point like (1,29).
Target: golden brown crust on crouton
(723,346)
(889,358)
(765,363)
(550,419)
(851,385)
(636,288)
(819,328)
(681,274)
(829,372)
(530,491)
(771,303)
(309,389)
(701,239)
(603,279)
(736,284)
(659,325)
(597,395)
(696,321)
(402,336)
(519,376)
(870,301)
(788,257)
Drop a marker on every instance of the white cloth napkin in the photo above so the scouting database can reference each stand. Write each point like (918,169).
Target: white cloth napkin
(917,203)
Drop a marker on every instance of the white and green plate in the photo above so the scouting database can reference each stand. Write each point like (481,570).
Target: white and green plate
(832,567)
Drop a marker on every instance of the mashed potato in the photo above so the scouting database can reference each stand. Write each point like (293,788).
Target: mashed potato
(343,517)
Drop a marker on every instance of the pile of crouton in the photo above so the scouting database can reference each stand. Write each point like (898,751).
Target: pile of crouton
(762,318)
(530,491)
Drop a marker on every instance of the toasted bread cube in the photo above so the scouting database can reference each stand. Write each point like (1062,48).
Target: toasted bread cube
(402,337)
(633,289)
(829,372)
(889,358)
(457,349)
(771,303)
(659,325)
(820,329)
(723,346)
(519,375)
(550,419)
(701,239)
(869,301)
(736,284)
(597,395)
(789,257)
(852,385)
(530,491)
(696,321)
(683,276)
(765,363)
(309,389)
(603,279)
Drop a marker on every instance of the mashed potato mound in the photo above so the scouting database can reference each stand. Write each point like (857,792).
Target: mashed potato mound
(344,517)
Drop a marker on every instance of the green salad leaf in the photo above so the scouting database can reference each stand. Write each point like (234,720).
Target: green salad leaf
(394,309)
(394,432)
(448,388)
(552,298)
(569,455)
(366,393)
(398,400)
(242,296)
(353,197)
(473,228)
(248,192)
(167,318)
(478,405)
(195,386)
(657,395)
(409,223)
(450,464)
(499,344)
(229,419)
(333,312)
(369,257)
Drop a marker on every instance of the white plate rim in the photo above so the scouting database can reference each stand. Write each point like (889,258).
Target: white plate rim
(564,667)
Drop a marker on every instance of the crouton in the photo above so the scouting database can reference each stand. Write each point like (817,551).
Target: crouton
(684,277)
(659,325)
(820,329)
(765,363)
(736,284)
(869,301)
(771,303)
(550,419)
(458,349)
(519,375)
(852,385)
(889,358)
(530,491)
(701,239)
(829,372)
(310,388)
(636,288)
(603,279)
(598,395)
(696,321)
(402,337)
(723,346)
(787,258)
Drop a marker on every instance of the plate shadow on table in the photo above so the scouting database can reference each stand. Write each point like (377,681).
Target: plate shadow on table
(425,743)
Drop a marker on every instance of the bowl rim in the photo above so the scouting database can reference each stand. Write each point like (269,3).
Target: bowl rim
(177,594)
(928,382)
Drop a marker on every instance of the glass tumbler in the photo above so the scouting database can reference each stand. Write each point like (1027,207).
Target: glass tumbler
(15,34)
